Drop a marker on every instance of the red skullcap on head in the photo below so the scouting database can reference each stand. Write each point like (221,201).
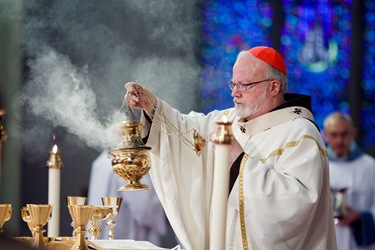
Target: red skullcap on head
(269,56)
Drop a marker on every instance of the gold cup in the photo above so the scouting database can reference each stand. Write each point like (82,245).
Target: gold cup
(75,200)
(80,215)
(26,217)
(40,213)
(115,203)
(99,213)
(5,214)
(339,204)
(130,160)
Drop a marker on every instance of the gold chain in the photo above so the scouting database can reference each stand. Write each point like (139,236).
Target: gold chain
(198,143)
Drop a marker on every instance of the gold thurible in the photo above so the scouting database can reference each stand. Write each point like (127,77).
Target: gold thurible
(130,160)
(54,160)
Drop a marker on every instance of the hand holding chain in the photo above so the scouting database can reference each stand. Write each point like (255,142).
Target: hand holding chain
(198,143)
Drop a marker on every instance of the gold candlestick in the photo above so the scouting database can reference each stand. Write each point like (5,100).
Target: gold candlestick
(54,160)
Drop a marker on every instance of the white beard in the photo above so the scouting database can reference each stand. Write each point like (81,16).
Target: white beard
(253,108)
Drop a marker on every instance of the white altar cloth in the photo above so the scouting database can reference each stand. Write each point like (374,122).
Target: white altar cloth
(128,245)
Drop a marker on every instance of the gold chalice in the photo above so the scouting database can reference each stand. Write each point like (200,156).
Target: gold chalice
(5,214)
(80,215)
(40,213)
(115,204)
(99,213)
(26,217)
(130,160)
(339,204)
(75,200)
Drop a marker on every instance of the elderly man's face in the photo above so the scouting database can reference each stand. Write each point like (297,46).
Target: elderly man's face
(255,100)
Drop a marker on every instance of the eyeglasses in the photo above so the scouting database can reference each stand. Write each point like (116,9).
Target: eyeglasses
(244,87)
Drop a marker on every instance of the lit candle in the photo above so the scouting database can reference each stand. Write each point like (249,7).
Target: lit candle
(223,140)
(54,165)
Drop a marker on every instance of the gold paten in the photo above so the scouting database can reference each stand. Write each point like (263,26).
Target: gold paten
(130,160)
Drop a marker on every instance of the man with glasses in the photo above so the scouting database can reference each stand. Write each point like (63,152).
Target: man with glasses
(352,175)
(279,195)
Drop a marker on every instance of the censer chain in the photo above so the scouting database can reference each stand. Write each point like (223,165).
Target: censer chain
(196,145)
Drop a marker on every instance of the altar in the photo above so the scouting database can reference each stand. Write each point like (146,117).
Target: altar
(66,243)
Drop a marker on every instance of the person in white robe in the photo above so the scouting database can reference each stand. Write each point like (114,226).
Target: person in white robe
(279,195)
(141,216)
(353,172)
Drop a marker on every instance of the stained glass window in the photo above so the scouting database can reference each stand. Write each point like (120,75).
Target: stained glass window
(229,27)
(315,42)
(368,106)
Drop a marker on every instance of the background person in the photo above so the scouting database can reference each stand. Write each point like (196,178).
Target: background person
(354,170)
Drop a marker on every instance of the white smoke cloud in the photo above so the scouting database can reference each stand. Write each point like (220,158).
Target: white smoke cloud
(62,94)
(80,54)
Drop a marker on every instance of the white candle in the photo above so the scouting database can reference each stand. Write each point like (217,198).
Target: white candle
(220,197)
(54,179)
(54,200)
(224,139)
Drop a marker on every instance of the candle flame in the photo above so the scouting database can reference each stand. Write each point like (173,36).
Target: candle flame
(225,118)
(54,137)
(54,149)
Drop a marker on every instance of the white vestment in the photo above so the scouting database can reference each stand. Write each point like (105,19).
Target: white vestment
(287,202)
(141,216)
(358,176)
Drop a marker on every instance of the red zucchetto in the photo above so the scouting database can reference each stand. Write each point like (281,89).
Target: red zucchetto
(269,56)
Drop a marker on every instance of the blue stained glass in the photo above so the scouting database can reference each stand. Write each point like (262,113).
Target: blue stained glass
(229,27)
(312,37)
(368,110)
(321,71)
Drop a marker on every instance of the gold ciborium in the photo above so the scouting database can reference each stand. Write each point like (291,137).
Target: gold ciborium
(115,204)
(80,215)
(99,213)
(26,217)
(40,213)
(5,214)
(75,200)
(130,160)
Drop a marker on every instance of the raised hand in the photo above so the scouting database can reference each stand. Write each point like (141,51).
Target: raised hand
(138,96)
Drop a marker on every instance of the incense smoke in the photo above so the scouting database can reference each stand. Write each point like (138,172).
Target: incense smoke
(80,54)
